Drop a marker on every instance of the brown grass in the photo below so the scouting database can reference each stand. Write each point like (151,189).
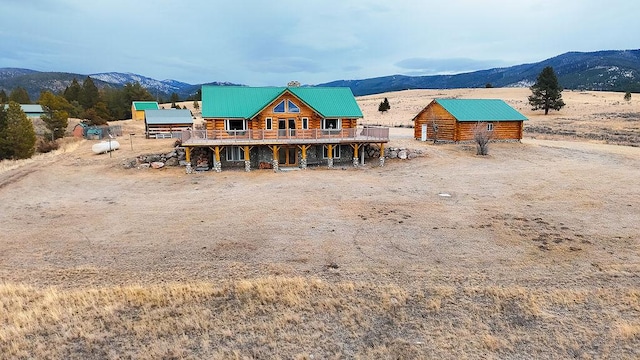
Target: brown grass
(279,317)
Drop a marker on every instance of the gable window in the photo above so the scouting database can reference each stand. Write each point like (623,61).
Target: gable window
(336,152)
(293,108)
(489,126)
(268,124)
(331,124)
(235,153)
(305,123)
(279,108)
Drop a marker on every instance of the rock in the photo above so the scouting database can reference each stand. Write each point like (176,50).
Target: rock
(171,154)
(157,164)
(402,154)
(152,158)
(412,155)
(144,166)
(393,154)
(130,164)
(173,161)
(182,162)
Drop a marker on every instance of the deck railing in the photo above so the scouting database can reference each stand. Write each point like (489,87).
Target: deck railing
(294,135)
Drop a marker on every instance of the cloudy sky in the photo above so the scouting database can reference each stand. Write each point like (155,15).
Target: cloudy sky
(259,42)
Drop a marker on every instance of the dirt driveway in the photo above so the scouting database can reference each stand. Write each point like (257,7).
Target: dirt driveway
(537,213)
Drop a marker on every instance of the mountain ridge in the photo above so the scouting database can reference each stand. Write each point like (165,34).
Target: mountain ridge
(612,70)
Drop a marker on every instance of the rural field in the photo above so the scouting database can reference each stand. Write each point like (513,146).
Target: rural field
(530,252)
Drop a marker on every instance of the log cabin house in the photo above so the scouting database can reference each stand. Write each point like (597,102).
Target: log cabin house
(454,120)
(275,127)
(160,124)
(139,107)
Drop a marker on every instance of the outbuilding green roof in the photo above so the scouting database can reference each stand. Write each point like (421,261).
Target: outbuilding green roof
(168,116)
(480,110)
(245,102)
(145,105)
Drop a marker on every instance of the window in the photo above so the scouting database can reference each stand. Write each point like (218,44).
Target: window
(279,108)
(292,107)
(235,153)
(233,124)
(268,124)
(489,126)
(305,123)
(336,152)
(331,124)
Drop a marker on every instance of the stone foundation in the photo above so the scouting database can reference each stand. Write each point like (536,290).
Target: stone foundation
(303,164)
(355,162)
(381,161)
(247,165)
(217,166)
(189,169)
(275,165)
(330,162)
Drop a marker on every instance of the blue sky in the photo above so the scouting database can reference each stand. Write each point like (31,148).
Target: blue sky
(256,42)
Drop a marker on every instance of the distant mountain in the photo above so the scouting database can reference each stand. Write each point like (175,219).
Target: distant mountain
(601,70)
(36,81)
(613,70)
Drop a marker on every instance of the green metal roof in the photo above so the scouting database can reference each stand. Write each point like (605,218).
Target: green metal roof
(245,102)
(480,110)
(145,105)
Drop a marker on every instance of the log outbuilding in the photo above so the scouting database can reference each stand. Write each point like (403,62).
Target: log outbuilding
(455,120)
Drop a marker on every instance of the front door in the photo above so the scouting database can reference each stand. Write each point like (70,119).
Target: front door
(288,156)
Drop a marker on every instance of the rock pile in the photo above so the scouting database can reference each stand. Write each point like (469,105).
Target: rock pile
(373,151)
(176,157)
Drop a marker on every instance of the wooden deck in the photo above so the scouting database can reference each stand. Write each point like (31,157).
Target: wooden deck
(283,137)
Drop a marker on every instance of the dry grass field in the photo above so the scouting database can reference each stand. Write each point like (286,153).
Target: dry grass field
(533,253)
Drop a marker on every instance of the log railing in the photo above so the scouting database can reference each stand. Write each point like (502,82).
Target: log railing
(260,136)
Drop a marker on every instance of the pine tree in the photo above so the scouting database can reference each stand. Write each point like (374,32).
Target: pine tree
(4,141)
(3,97)
(627,96)
(196,105)
(384,106)
(89,95)
(56,113)
(72,92)
(174,98)
(19,134)
(546,92)
(20,95)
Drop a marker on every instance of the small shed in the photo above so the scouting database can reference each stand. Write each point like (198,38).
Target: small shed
(139,107)
(455,120)
(167,123)
(80,130)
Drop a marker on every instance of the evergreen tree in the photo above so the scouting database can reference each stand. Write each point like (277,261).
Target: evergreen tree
(89,96)
(546,92)
(19,95)
(384,106)
(4,141)
(3,97)
(627,96)
(174,98)
(56,113)
(73,91)
(19,135)
(196,105)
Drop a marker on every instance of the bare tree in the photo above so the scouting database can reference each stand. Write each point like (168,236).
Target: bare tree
(435,129)
(482,134)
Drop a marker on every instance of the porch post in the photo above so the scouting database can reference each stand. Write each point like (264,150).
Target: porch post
(187,154)
(381,154)
(355,154)
(217,164)
(275,149)
(330,153)
(303,160)
(247,159)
